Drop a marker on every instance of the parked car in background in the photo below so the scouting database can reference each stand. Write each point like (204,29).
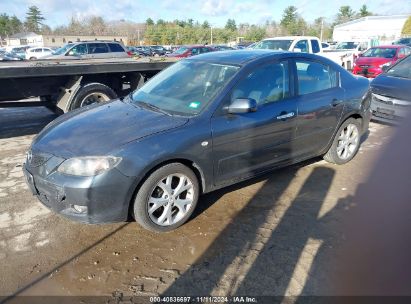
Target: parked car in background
(371,63)
(325,46)
(222,48)
(403,41)
(191,50)
(391,92)
(346,52)
(158,50)
(8,56)
(204,123)
(18,51)
(90,50)
(38,53)
(134,51)
(303,44)
(145,49)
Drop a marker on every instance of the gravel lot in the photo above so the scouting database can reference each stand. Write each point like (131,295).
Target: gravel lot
(275,235)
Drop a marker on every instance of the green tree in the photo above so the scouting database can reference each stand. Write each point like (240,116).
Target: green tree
(255,33)
(161,22)
(289,20)
(149,21)
(345,14)
(231,25)
(406,29)
(34,19)
(205,25)
(364,12)
(15,25)
(9,25)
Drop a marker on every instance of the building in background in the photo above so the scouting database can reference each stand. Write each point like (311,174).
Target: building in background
(384,29)
(33,39)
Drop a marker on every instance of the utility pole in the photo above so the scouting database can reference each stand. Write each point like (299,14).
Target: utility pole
(211,40)
(322,25)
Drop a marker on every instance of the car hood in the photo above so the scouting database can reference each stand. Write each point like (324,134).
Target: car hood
(102,129)
(396,87)
(374,61)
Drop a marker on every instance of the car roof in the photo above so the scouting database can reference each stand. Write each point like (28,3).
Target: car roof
(237,57)
(390,46)
(291,38)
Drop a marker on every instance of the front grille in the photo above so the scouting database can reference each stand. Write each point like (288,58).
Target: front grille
(36,158)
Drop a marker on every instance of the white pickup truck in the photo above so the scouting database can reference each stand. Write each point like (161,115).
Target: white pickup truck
(344,54)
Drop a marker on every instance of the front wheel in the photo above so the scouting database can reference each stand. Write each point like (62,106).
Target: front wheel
(345,144)
(167,198)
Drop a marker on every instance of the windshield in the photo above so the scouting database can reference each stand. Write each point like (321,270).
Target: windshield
(186,87)
(402,69)
(181,50)
(280,45)
(63,49)
(380,52)
(346,46)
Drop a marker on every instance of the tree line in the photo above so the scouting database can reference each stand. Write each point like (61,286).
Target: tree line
(182,31)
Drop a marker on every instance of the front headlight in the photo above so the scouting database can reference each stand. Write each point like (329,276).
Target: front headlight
(89,165)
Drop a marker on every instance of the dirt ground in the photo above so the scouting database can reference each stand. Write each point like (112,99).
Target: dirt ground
(276,235)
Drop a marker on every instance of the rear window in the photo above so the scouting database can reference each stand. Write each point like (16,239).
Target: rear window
(97,48)
(314,77)
(115,47)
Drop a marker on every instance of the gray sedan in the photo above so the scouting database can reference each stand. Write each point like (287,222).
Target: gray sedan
(203,123)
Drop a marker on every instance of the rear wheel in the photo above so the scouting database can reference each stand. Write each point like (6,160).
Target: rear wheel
(346,143)
(92,93)
(167,198)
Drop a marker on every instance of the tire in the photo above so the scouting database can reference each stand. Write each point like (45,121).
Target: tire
(150,190)
(32,58)
(338,155)
(96,91)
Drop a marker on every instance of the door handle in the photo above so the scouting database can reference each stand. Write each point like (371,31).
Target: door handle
(284,115)
(335,102)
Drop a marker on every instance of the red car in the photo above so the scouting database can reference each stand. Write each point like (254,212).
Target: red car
(187,51)
(370,64)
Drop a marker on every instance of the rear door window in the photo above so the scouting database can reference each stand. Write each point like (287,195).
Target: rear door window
(314,77)
(315,46)
(97,48)
(115,47)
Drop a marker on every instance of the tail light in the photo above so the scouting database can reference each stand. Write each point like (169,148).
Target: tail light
(129,53)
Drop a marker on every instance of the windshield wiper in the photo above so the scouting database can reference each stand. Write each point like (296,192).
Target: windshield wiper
(152,107)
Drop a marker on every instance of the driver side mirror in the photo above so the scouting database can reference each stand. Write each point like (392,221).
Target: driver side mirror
(242,105)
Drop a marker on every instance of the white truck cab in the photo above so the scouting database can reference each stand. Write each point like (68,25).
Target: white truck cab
(305,44)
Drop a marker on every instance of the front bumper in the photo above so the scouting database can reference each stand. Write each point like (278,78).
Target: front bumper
(388,109)
(370,72)
(106,196)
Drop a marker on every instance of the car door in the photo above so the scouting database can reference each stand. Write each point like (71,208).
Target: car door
(79,51)
(247,143)
(320,106)
(98,50)
(301,46)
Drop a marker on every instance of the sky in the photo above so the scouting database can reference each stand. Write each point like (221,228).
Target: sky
(216,12)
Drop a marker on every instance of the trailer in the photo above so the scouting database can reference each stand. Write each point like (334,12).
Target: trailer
(65,85)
